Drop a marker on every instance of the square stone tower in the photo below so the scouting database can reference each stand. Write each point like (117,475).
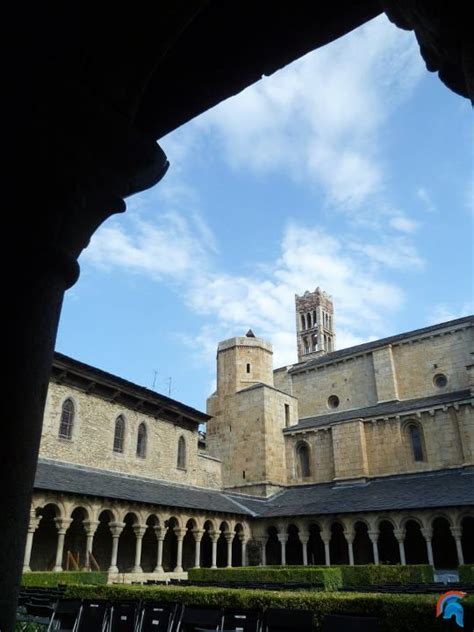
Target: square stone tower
(314,324)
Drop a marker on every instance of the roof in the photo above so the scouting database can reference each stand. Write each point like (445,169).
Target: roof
(334,356)
(445,488)
(64,477)
(113,388)
(384,409)
(258,385)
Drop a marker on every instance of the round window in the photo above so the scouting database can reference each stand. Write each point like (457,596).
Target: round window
(440,380)
(333,401)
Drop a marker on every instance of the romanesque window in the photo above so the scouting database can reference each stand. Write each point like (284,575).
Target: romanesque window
(182,453)
(302,460)
(119,434)
(303,322)
(308,318)
(333,401)
(416,440)
(141,441)
(67,420)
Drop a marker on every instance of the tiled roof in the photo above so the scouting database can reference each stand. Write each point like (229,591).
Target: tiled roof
(333,356)
(63,477)
(384,409)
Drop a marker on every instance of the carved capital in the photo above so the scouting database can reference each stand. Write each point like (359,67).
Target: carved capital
(116,528)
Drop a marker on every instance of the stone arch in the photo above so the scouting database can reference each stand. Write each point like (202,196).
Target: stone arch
(303,459)
(189,545)
(67,418)
(102,544)
(316,551)
(362,545)
(338,549)
(170,544)
(444,546)
(75,540)
(294,551)
(43,552)
(222,544)
(389,550)
(467,538)
(237,544)
(273,549)
(126,547)
(150,543)
(206,544)
(415,544)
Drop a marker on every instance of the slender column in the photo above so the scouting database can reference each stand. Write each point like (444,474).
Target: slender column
(214,535)
(304,538)
(427,534)
(180,533)
(62,525)
(116,529)
(243,544)
(350,539)
(400,537)
(283,538)
(262,540)
(325,535)
(160,536)
(33,525)
(197,533)
(229,536)
(90,527)
(139,530)
(457,534)
(374,538)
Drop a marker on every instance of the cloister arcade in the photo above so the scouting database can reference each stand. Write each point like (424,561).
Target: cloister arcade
(121,538)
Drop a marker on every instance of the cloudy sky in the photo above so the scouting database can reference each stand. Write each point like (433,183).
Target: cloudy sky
(350,169)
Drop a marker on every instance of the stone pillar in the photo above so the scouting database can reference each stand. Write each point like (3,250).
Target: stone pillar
(325,535)
(229,537)
(400,537)
(304,538)
(262,540)
(160,536)
(32,526)
(283,538)
(214,535)
(90,527)
(350,540)
(62,525)
(243,544)
(180,533)
(427,534)
(457,535)
(139,530)
(116,529)
(197,533)
(374,538)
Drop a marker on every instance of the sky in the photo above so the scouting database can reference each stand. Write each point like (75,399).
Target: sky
(350,169)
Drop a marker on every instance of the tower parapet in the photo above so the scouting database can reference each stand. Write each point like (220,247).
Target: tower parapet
(315,334)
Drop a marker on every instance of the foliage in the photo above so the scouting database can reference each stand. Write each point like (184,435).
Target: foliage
(410,613)
(41,578)
(466,573)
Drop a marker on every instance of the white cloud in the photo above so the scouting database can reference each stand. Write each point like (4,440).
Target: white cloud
(425,198)
(397,253)
(449,311)
(404,224)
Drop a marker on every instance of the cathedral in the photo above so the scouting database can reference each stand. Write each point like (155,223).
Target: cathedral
(349,456)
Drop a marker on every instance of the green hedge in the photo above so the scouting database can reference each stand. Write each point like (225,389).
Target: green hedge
(466,573)
(67,577)
(332,577)
(410,613)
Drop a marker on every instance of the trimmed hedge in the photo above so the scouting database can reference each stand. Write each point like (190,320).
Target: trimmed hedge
(410,613)
(331,577)
(466,573)
(40,578)
(328,577)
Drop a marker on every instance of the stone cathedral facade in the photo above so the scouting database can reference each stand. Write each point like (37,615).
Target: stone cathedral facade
(358,455)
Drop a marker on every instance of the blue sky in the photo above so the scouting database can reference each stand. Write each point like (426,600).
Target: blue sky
(351,169)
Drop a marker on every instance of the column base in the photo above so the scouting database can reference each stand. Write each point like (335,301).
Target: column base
(137,569)
(178,569)
(26,569)
(213,566)
(112,569)
(158,569)
(58,569)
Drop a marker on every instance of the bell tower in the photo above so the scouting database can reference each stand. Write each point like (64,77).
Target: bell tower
(314,324)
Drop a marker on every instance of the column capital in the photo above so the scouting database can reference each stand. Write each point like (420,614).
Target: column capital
(160,532)
(242,537)
(198,533)
(456,532)
(303,536)
(349,535)
(373,535)
(399,534)
(62,524)
(33,524)
(90,526)
(214,535)
(282,537)
(180,532)
(229,536)
(139,530)
(427,533)
(116,528)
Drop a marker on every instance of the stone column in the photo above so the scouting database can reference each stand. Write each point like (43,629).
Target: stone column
(243,544)
(325,535)
(116,529)
(62,525)
(32,526)
(229,537)
(180,533)
(427,534)
(90,527)
(457,535)
(197,533)
(350,539)
(262,540)
(400,537)
(214,535)
(304,538)
(160,536)
(374,538)
(283,539)
(139,530)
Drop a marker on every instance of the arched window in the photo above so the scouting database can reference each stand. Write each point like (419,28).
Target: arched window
(308,319)
(141,441)
(303,322)
(182,453)
(416,440)
(67,420)
(302,459)
(119,434)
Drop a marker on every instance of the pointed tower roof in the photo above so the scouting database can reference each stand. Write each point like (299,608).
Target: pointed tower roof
(250,334)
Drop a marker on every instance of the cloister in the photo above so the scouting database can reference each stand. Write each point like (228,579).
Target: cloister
(125,538)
